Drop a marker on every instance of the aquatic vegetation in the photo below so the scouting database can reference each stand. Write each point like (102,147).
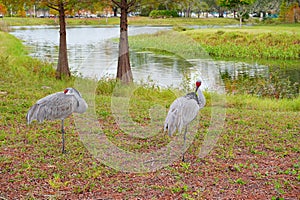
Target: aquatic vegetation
(248,44)
(274,86)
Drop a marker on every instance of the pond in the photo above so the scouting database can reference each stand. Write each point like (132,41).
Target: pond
(92,53)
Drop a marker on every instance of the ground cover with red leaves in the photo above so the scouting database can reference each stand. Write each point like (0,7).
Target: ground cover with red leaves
(256,157)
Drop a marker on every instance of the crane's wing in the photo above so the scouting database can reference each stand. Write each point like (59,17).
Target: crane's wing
(54,106)
(173,119)
(190,110)
(182,111)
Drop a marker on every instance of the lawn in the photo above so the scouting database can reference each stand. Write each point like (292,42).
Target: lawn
(17,21)
(256,154)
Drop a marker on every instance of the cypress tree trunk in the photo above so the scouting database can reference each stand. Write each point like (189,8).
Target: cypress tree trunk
(62,65)
(124,70)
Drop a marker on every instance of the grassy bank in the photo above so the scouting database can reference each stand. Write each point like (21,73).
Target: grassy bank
(15,21)
(258,147)
(257,42)
(272,42)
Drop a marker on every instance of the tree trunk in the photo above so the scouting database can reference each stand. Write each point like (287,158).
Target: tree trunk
(62,65)
(124,70)
(221,13)
(115,10)
(188,10)
(241,19)
(295,14)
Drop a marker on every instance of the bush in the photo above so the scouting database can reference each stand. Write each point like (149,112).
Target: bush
(163,13)
(145,12)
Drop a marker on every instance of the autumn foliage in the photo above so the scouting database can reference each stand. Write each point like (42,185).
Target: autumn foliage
(293,14)
(289,13)
(3,9)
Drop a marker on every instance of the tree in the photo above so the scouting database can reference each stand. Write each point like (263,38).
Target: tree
(201,7)
(11,6)
(289,11)
(283,11)
(186,7)
(265,5)
(62,64)
(124,73)
(3,9)
(293,12)
(242,6)
(62,6)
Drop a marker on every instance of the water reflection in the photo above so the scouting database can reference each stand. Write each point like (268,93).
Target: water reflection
(92,53)
(234,70)
(164,70)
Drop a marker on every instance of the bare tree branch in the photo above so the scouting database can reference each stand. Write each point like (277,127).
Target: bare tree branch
(117,3)
(52,7)
(131,3)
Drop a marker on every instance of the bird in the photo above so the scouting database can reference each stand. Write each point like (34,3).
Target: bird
(58,105)
(183,111)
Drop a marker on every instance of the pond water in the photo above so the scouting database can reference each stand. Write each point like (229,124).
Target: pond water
(92,53)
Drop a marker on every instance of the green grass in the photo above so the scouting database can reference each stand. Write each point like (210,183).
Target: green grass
(184,47)
(259,144)
(257,42)
(250,42)
(17,21)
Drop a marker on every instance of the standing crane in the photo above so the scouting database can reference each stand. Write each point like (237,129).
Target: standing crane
(183,110)
(59,105)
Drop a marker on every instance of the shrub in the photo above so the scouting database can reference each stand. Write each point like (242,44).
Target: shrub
(145,12)
(163,13)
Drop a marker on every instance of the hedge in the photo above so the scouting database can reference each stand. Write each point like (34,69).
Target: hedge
(163,13)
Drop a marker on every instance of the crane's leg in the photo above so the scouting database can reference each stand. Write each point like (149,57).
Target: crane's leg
(63,136)
(184,139)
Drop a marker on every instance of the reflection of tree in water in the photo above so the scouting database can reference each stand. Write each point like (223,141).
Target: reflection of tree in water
(165,69)
(145,59)
(274,83)
(234,71)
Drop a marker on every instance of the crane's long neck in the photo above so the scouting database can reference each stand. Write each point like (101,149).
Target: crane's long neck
(201,98)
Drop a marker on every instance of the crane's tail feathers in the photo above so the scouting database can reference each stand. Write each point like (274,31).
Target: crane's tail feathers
(171,122)
(28,119)
(32,113)
(171,131)
(170,126)
(165,127)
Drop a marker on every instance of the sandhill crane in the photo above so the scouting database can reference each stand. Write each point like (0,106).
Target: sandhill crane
(59,105)
(183,110)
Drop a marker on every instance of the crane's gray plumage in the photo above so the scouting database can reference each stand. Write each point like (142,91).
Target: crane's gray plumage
(183,110)
(59,105)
